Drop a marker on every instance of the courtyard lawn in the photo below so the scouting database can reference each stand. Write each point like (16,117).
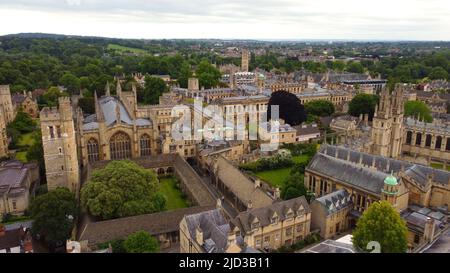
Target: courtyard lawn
(22,156)
(439,166)
(174,197)
(276,177)
(26,139)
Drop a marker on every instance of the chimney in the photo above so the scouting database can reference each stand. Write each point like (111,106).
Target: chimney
(428,232)
(277,193)
(257,183)
(249,205)
(219,203)
(199,235)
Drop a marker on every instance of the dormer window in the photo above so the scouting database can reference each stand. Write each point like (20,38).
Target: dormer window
(255,225)
(274,220)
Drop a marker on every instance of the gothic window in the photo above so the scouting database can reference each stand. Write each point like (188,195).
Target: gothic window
(92,150)
(120,146)
(438,142)
(428,141)
(409,137)
(145,145)
(418,139)
(447,145)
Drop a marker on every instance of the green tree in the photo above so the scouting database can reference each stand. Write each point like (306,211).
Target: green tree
(438,73)
(355,67)
(22,124)
(122,189)
(293,187)
(208,75)
(71,82)
(321,108)
(50,98)
(383,224)
(363,104)
(154,88)
(53,215)
(184,75)
(418,108)
(141,242)
(36,152)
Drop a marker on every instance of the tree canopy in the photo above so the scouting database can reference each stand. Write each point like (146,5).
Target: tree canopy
(381,223)
(122,189)
(50,97)
(22,124)
(290,108)
(321,108)
(154,87)
(141,242)
(363,104)
(208,75)
(418,109)
(53,215)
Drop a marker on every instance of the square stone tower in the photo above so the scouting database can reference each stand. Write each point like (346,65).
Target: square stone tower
(3,136)
(60,146)
(245,60)
(6,102)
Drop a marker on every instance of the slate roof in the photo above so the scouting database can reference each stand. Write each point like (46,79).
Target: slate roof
(304,130)
(353,167)
(108,105)
(155,224)
(264,215)
(335,201)
(414,123)
(214,227)
(240,185)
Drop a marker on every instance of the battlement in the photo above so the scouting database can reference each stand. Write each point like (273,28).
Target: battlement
(49,113)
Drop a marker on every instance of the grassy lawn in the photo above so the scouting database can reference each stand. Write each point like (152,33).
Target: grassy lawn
(124,49)
(439,166)
(276,177)
(173,196)
(14,219)
(22,156)
(26,140)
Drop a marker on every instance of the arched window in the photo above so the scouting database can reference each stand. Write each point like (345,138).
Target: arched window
(418,139)
(428,141)
(447,146)
(438,143)
(408,137)
(145,145)
(92,150)
(120,146)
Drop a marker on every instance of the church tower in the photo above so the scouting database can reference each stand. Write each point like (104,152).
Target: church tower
(6,103)
(60,147)
(387,125)
(245,60)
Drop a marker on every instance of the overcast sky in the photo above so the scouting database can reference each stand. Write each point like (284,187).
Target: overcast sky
(239,19)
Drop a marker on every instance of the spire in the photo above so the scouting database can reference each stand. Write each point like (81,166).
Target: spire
(98,112)
(107,89)
(117,113)
(118,89)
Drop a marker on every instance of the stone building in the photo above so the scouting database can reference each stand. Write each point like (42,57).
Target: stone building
(3,135)
(25,102)
(387,124)
(210,232)
(6,104)
(368,178)
(272,226)
(329,213)
(17,185)
(426,142)
(60,146)
(245,60)
(237,188)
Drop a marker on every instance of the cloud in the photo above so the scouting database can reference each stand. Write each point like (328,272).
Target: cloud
(270,19)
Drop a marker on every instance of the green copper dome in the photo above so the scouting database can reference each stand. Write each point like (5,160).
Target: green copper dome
(391,180)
